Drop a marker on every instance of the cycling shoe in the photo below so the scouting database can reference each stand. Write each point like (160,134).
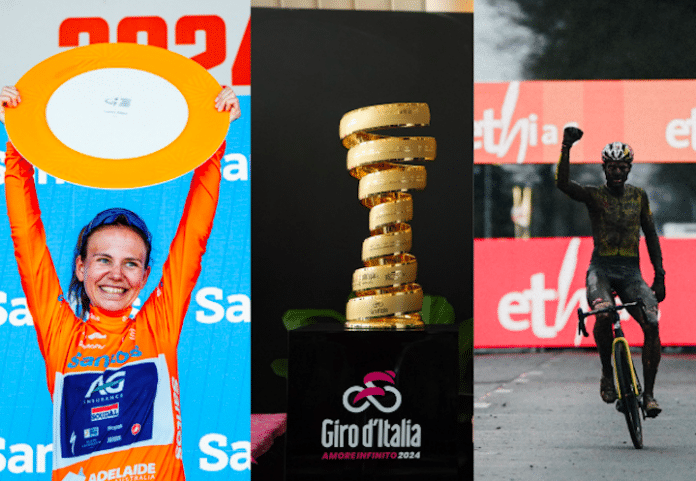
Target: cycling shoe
(607,390)
(652,409)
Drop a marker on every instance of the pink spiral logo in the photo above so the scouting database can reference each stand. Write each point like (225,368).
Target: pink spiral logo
(370,392)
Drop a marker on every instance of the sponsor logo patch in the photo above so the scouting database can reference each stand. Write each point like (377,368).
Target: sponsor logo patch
(104,412)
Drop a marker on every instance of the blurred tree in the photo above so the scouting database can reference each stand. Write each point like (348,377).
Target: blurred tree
(596,39)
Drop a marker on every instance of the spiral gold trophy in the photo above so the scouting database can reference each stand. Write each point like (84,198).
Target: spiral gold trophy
(386,294)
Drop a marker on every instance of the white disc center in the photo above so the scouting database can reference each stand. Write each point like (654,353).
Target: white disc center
(117,113)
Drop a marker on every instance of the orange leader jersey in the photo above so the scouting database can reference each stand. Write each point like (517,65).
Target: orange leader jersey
(113,379)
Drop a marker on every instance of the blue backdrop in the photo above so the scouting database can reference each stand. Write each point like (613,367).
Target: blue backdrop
(214,351)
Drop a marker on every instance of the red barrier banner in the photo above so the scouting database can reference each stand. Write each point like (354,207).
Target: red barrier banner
(527,292)
(522,122)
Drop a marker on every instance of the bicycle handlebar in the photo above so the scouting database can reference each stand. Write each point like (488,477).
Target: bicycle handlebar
(611,309)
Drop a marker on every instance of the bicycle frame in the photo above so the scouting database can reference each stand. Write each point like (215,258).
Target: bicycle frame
(630,403)
(619,338)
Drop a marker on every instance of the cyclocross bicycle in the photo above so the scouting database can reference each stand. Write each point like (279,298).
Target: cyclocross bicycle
(626,380)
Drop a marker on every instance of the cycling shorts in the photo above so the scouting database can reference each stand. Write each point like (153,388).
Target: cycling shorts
(620,275)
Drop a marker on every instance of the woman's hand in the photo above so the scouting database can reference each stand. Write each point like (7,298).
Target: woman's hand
(9,97)
(227,101)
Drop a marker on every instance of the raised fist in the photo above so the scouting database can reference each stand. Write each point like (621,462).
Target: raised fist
(571,135)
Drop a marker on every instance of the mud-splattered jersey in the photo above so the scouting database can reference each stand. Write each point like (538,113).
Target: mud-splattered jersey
(113,378)
(616,218)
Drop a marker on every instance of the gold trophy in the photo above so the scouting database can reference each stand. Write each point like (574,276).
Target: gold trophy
(386,294)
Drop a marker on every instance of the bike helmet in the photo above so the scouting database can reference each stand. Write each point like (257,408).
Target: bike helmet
(617,152)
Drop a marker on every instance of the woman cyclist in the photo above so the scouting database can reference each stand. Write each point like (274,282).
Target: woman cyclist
(112,376)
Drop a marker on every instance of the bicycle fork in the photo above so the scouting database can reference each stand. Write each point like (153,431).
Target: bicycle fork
(636,382)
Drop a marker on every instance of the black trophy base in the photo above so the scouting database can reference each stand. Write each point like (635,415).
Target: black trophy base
(372,405)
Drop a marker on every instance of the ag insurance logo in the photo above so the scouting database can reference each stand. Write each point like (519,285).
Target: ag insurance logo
(369,393)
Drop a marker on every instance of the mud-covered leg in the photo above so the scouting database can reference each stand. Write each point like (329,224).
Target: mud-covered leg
(652,352)
(603,338)
(652,348)
(599,296)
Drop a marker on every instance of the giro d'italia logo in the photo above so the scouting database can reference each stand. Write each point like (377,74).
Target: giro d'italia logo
(358,398)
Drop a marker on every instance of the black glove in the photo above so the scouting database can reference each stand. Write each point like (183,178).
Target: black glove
(658,287)
(571,135)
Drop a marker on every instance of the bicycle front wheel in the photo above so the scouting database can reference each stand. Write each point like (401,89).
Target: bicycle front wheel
(631,408)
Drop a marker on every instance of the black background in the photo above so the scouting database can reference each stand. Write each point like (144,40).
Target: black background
(327,360)
(309,67)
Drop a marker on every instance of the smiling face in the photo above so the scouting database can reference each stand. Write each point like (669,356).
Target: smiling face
(616,173)
(113,271)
